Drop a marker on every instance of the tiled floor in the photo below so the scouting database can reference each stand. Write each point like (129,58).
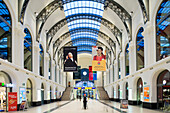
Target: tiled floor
(94,106)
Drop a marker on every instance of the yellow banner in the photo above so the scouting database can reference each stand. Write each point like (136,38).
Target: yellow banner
(99,65)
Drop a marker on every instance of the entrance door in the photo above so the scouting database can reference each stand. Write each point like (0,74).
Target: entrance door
(163,90)
(139,91)
(42,94)
(29,92)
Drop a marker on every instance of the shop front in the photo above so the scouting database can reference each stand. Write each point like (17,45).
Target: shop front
(163,91)
(5,87)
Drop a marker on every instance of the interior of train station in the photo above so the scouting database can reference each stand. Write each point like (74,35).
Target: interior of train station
(78,56)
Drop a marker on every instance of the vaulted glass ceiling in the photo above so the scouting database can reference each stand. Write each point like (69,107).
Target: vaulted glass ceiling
(83,29)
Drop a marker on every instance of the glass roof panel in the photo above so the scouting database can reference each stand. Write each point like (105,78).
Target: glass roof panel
(84,20)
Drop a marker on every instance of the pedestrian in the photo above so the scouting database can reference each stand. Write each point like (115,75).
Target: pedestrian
(85,101)
(80,97)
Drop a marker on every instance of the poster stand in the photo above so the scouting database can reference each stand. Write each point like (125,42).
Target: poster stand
(124,104)
(23,106)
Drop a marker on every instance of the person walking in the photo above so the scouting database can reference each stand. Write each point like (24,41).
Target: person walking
(85,101)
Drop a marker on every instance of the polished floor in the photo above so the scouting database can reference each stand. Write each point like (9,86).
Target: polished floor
(94,106)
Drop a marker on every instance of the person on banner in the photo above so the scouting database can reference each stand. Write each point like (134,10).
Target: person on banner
(70,62)
(85,101)
(100,56)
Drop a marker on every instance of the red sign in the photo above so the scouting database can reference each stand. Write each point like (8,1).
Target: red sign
(90,68)
(90,75)
(12,101)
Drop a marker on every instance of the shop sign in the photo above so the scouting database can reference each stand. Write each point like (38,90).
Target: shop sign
(146,93)
(12,101)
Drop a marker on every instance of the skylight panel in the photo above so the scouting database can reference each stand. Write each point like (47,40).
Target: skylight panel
(84,17)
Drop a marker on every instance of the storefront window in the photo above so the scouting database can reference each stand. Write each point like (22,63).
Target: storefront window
(139,91)
(163,90)
(4,79)
(5,33)
(49,69)
(127,60)
(119,69)
(27,50)
(41,61)
(126,89)
(140,49)
(29,92)
(162,31)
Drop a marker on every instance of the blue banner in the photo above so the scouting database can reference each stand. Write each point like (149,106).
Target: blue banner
(84,74)
(94,75)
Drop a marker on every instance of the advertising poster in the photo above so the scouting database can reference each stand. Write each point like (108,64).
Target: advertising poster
(70,59)
(22,94)
(84,74)
(12,101)
(77,75)
(99,58)
(146,94)
(94,75)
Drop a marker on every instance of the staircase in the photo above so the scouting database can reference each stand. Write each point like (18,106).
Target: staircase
(102,94)
(66,94)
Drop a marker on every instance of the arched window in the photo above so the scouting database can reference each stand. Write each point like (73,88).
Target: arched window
(49,69)
(41,60)
(140,49)
(162,31)
(5,33)
(27,50)
(119,69)
(127,60)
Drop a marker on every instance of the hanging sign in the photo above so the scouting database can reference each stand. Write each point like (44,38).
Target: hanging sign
(12,101)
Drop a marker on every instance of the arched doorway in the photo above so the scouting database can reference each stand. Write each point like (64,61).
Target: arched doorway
(50,94)
(163,89)
(139,91)
(126,91)
(127,60)
(118,93)
(56,93)
(4,79)
(42,93)
(29,92)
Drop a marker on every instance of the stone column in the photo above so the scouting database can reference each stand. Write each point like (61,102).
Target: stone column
(18,46)
(149,45)
(35,58)
(132,58)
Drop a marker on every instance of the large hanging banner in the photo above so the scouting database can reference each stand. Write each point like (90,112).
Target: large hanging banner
(99,58)
(70,59)
(94,75)
(90,73)
(12,101)
(77,75)
(84,74)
